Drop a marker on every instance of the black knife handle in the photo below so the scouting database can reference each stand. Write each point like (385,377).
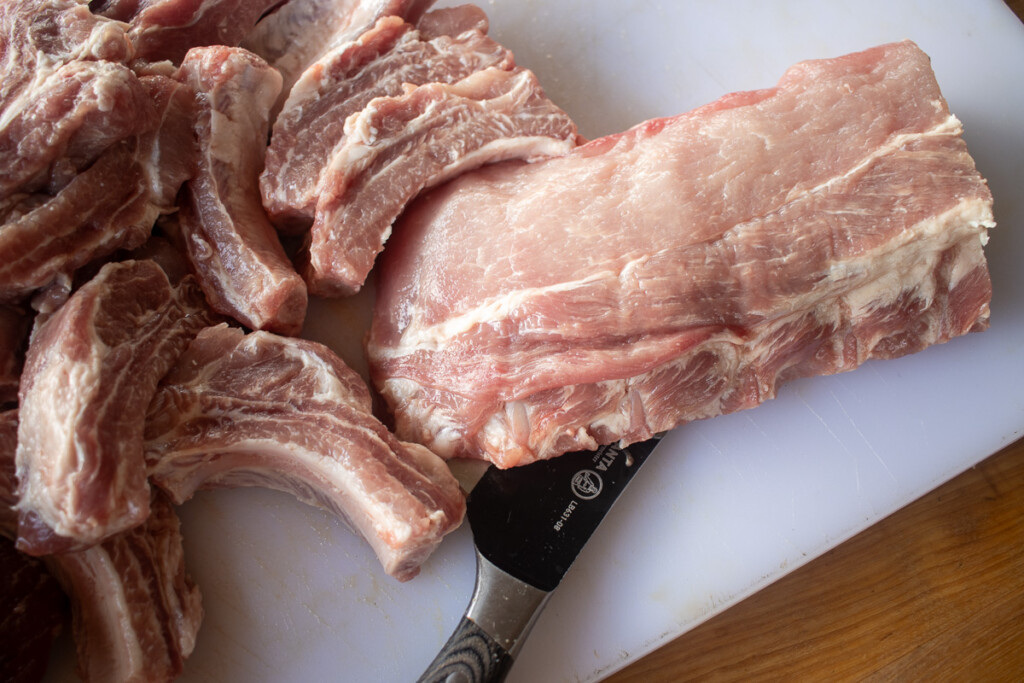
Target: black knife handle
(469,656)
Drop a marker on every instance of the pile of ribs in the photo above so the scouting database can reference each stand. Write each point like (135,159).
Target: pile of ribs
(178,177)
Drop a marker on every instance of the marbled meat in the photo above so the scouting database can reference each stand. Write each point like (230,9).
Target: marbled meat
(235,251)
(398,146)
(135,611)
(90,372)
(684,268)
(263,410)
(386,57)
(301,33)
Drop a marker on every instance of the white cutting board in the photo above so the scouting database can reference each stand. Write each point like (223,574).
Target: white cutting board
(723,507)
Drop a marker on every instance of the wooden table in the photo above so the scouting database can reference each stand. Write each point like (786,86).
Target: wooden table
(934,592)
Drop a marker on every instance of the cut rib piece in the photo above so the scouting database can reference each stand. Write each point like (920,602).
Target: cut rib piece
(90,372)
(288,414)
(167,29)
(135,611)
(41,35)
(67,119)
(43,237)
(295,36)
(452,21)
(62,90)
(397,146)
(379,63)
(684,268)
(78,224)
(238,258)
(169,152)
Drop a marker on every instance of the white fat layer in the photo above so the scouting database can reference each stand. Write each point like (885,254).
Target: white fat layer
(131,658)
(874,281)
(916,256)
(905,258)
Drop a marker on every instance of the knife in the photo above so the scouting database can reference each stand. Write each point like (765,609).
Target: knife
(529,523)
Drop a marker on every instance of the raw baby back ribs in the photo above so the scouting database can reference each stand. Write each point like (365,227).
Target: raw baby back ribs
(684,268)
(90,371)
(238,259)
(288,414)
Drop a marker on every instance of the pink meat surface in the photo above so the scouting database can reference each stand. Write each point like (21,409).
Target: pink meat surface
(78,224)
(287,414)
(90,372)
(301,32)
(398,146)
(383,59)
(682,269)
(110,205)
(66,120)
(167,29)
(135,611)
(40,35)
(237,255)
(63,89)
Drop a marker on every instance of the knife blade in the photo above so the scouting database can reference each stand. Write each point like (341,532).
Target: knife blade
(529,524)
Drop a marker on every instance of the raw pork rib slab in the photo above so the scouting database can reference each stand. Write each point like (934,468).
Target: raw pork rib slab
(682,269)
(71,116)
(238,258)
(288,414)
(398,146)
(90,372)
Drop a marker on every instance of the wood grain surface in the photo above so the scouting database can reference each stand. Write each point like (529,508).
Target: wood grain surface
(934,592)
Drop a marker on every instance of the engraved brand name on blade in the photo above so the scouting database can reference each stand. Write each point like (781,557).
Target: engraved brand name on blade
(587,484)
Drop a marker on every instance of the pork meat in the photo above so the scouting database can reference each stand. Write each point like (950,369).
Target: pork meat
(238,258)
(385,58)
(686,267)
(295,36)
(90,372)
(167,29)
(288,414)
(66,120)
(398,146)
(110,205)
(135,611)
(63,89)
